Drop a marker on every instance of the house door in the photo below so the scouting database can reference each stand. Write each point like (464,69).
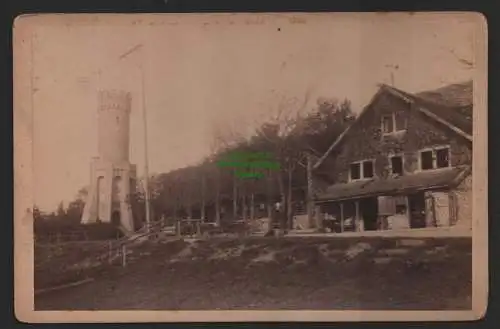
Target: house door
(417,203)
(369,211)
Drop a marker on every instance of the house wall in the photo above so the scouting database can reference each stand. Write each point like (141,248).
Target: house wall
(441,208)
(463,196)
(365,141)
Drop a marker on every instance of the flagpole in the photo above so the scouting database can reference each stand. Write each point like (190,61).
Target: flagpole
(146,157)
(392,67)
(32,75)
(32,91)
(143,101)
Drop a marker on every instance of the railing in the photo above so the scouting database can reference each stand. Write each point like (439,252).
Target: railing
(145,231)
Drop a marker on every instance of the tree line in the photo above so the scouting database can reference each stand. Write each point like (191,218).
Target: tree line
(278,149)
(210,190)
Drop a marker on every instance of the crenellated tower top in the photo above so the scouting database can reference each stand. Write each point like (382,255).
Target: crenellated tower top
(115,100)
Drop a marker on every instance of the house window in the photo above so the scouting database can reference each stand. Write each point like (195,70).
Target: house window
(426,160)
(355,171)
(387,124)
(399,121)
(397,165)
(367,169)
(361,170)
(400,208)
(443,158)
(436,158)
(394,122)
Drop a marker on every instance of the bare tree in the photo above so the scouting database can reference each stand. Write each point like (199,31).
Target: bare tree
(225,137)
(277,133)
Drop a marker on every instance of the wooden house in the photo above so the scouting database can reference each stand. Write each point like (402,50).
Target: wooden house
(406,157)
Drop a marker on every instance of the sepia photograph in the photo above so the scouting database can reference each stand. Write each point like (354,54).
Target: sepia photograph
(250,167)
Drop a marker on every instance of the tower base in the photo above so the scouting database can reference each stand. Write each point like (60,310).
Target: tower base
(109,196)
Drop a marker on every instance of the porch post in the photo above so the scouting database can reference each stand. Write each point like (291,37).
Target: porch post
(203,183)
(408,212)
(252,207)
(244,207)
(318,217)
(235,197)
(309,197)
(341,217)
(358,220)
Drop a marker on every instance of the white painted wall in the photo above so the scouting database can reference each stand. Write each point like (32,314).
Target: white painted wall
(114,125)
(112,162)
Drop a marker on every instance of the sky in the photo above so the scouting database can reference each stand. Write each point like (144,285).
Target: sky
(203,73)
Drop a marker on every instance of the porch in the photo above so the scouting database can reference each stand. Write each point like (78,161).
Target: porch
(417,201)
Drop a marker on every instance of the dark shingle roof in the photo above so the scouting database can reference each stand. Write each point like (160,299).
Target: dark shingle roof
(454,95)
(414,182)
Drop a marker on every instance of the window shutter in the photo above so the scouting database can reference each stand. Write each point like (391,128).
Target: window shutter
(386,205)
(400,200)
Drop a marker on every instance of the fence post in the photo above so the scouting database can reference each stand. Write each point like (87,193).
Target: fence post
(110,251)
(178,228)
(198,228)
(124,255)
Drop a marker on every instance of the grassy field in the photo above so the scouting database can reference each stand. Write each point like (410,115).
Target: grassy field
(286,273)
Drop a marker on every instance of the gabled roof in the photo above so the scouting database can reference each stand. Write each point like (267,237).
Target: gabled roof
(450,105)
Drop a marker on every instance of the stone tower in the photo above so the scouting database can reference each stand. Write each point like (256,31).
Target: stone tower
(112,175)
